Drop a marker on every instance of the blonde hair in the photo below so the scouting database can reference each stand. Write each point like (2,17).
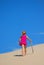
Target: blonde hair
(23,32)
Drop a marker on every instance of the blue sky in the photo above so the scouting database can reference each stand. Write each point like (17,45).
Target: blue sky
(18,15)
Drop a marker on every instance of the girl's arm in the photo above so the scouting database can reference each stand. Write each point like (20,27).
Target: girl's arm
(30,43)
(28,38)
(19,39)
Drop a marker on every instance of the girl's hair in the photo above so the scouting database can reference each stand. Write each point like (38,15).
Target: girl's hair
(23,32)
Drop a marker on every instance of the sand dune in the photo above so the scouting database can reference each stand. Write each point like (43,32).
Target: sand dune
(15,58)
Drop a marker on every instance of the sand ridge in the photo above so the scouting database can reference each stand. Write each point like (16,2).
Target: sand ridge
(15,57)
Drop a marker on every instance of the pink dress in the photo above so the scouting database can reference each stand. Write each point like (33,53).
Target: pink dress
(23,40)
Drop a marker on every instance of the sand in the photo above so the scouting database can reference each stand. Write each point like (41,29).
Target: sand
(15,58)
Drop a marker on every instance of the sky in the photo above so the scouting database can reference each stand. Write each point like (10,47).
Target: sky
(19,15)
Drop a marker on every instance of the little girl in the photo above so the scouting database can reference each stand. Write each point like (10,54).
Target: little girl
(23,42)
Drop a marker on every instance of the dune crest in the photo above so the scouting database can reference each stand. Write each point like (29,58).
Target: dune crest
(15,57)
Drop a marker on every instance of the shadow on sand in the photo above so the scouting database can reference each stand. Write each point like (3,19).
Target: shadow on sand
(22,55)
(18,55)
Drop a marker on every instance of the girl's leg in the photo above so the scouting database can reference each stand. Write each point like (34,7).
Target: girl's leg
(23,50)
